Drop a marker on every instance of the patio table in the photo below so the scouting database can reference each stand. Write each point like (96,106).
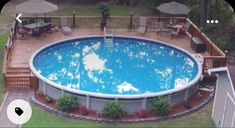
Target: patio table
(37,25)
(178,26)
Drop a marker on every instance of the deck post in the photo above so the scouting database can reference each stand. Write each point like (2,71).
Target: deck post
(226,57)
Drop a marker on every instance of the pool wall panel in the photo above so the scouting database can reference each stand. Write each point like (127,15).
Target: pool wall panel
(129,105)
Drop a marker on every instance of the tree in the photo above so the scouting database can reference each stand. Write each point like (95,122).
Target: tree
(203,15)
(104,10)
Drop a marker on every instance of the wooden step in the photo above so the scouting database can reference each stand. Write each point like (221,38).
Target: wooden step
(18,70)
(19,75)
(18,78)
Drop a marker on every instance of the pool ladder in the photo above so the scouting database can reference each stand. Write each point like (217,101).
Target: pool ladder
(108,38)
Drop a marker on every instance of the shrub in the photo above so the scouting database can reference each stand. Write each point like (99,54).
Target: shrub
(161,106)
(48,99)
(67,103)
(40,93)
(112,110)
(143,113)
(83,110)
(187,105)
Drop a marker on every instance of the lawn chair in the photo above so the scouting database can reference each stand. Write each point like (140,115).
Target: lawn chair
(142,25)
(64,26)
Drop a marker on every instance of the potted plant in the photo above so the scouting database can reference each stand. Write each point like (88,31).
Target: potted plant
(104,10)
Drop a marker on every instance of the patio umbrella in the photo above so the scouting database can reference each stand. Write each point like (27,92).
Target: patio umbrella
(173,8)
(36,6)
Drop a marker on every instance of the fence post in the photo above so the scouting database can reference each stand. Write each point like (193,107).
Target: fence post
(226,57)
(74,20)
(130,27)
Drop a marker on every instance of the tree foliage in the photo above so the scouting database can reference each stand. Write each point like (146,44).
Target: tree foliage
(104,10)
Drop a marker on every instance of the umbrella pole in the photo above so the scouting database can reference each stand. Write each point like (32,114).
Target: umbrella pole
(36,29)
(36,20)
(44,17)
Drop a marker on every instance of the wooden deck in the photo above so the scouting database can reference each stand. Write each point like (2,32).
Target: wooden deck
(23,49)
(16,71)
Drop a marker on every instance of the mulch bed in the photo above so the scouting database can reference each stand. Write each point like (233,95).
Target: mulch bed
(194,103)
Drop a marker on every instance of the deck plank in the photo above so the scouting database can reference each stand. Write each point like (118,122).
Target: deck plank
(23,49)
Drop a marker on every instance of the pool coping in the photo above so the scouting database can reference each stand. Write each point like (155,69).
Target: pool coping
(107,120)
(117,96)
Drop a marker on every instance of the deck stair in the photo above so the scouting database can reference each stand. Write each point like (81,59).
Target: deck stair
(108,38)
(18,78)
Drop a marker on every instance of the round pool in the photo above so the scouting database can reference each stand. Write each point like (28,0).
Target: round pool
(128,69)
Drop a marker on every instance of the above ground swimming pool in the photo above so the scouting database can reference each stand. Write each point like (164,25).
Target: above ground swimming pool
(129,67)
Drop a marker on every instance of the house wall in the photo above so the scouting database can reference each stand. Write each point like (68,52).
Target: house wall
(223,112)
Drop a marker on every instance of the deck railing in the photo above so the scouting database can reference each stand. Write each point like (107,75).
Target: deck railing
(14,81)
(211,48)
(213,62)
(7,52)
(94,21)
(216,59)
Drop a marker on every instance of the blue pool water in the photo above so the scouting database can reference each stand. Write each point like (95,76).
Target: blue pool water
(131,66)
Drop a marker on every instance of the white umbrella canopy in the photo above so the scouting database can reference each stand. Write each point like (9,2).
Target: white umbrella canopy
(36,6)
(173,8)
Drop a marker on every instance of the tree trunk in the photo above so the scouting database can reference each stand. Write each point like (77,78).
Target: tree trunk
(203,15)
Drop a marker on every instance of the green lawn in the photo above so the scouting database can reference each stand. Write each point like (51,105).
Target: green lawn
(91,10)
(45,119)
(3,39)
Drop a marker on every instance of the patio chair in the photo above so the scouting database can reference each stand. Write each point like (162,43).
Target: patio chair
(186,28)
(159,27)
(172,22)
(175,33)
(23,33)
(64,26)
(162,27)
(49,27)
(142,25)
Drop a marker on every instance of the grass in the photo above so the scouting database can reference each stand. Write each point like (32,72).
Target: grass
(3,40)
(42,118)
(91,10)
